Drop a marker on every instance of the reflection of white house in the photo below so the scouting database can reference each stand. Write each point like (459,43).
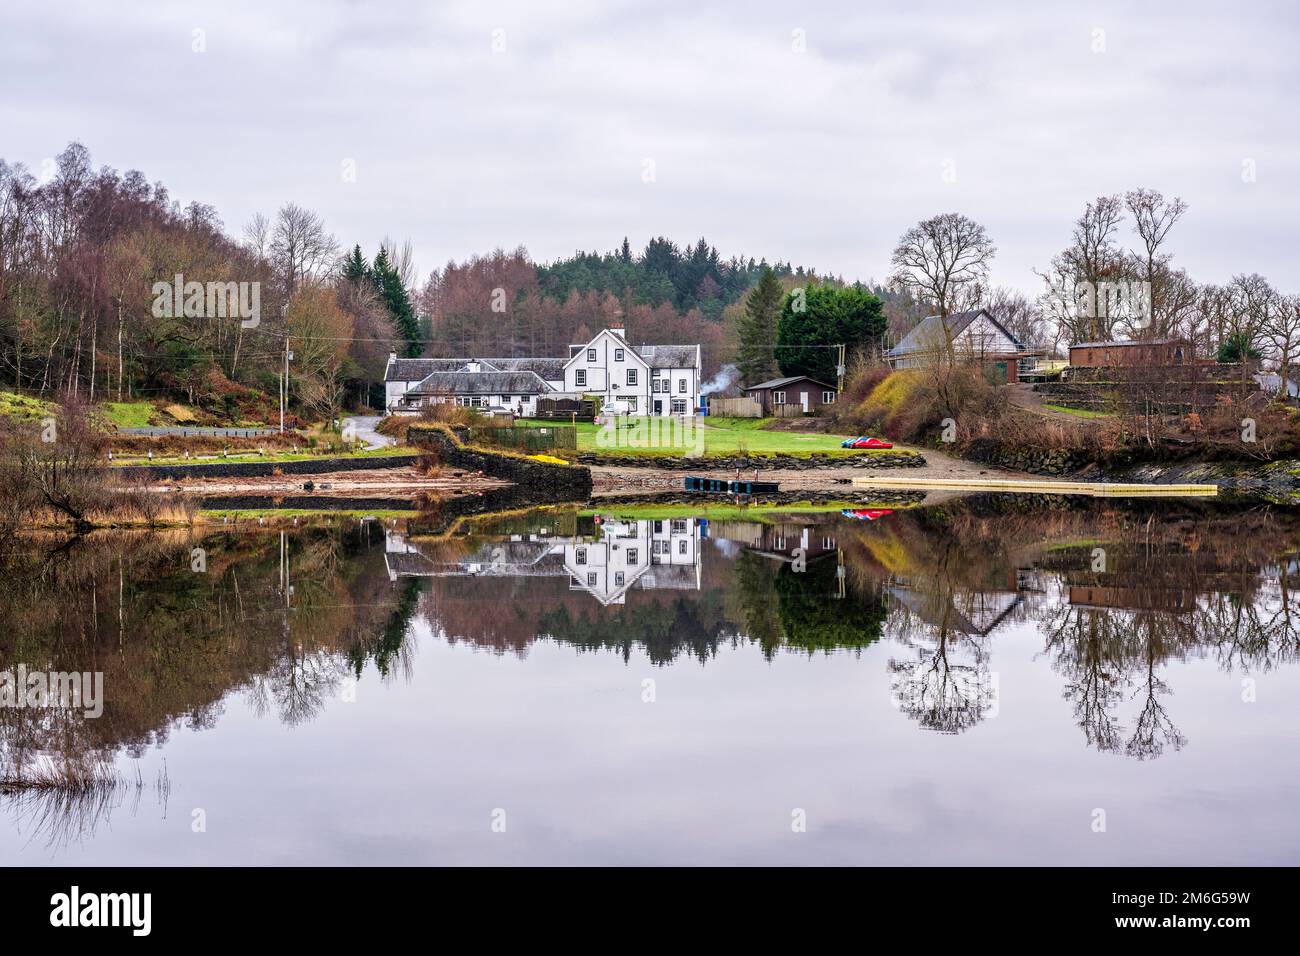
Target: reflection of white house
(647,379)
(650,555)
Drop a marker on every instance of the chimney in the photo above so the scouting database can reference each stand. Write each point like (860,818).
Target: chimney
(392,356)
(617,329)
(472,366)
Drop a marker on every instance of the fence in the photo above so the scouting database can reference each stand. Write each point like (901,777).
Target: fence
(787,411)
(523,438)
(745,407)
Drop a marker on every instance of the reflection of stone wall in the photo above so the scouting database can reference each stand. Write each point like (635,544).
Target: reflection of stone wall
(730,463)
(264,469)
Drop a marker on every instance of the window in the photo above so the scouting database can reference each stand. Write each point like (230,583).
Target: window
(828,398)
(667,386)
(654,386)
(681,385)
(618,355)
(678,525)
(591,355)
(591,579)
(778,398)
(659,527)
(618,579)
(632,555)
(654,547)
(631,376)
(681,546)
(580,377)
(580,556)
(679,406)
(828,543)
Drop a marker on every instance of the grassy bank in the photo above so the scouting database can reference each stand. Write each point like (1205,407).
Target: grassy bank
(709,436)
(719,511)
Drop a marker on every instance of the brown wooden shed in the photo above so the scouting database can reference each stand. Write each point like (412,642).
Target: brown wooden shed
(797,391)
(1112,354)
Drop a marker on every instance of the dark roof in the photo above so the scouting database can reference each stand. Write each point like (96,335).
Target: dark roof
(778,382)
(656,356)
(929,331)
(414,369)
(480,383)
(549,368)
(1116,344)
(667,356)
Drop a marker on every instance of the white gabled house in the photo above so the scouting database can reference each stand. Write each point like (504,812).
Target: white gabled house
(660,380)
(975,334)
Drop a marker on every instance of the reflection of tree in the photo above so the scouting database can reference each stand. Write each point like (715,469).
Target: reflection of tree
(801,610)
(813,618)
(173,643)
(946,686)
(1153,728)
(759,602)
(1106,652)
(664,630)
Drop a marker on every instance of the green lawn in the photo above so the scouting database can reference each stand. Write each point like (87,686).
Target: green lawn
(724,511)
(710,436)
(1078,412)
(127,414)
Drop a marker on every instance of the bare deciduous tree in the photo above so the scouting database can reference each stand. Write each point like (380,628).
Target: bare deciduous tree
(300,248)
(943,260)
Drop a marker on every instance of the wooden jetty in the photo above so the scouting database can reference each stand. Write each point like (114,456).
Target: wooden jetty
(1097,489)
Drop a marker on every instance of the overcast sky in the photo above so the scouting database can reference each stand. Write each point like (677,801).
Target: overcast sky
(815,135)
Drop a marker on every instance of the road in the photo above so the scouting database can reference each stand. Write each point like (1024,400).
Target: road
(364,426)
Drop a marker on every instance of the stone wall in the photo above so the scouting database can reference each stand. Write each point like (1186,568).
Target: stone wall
(263,469)
(1035,461)
(540,481)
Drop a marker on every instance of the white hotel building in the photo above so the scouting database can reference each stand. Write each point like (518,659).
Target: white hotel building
(660,380)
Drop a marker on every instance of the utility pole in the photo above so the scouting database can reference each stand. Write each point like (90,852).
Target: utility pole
(839,369)
(284,382)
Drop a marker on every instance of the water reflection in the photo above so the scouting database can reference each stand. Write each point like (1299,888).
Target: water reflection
(285,620)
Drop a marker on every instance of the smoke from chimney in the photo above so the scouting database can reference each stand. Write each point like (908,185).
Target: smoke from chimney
(728,375)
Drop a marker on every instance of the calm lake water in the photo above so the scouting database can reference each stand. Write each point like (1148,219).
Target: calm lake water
(986,682)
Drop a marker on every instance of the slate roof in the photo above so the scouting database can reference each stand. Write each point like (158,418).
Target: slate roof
(480,383)
(656,356)
(548,368)
(778,382)
(667,356)
(414,369)
(929,331)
